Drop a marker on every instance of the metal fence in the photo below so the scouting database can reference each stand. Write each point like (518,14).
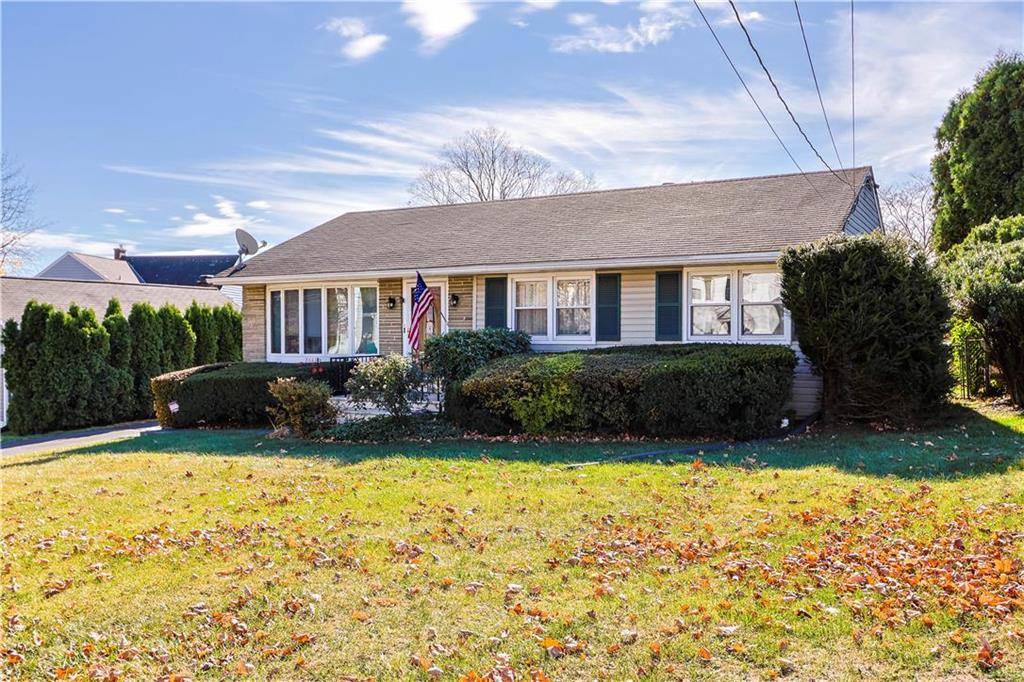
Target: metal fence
(971,367)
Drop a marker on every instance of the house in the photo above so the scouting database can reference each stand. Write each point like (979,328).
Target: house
(182,270)
(673,263)
(16,292)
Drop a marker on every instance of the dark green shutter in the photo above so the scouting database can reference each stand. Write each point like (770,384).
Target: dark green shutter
(608,307)
(668,318)
(496,302)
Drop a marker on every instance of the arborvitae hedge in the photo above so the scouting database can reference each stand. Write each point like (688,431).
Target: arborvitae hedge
(66,369)
(871,317)
(228,322)
(200,317)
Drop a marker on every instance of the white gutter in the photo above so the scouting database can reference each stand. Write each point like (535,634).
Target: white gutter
(596,264)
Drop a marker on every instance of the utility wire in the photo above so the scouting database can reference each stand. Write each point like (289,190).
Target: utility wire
(853,90)
(814,75)
(754,99)
(778,93)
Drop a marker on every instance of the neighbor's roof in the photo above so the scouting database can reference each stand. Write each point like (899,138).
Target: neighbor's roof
(109,269)
(742,216)
(15,292)
(188,270)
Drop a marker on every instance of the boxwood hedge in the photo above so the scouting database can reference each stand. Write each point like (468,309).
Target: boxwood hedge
(220,394)
(733,391)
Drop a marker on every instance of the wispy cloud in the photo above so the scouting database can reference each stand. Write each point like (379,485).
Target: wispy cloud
(657,22)
(137,221)
(360,43)
(259,205)
(115,211)
(226,220)
(439,21)
(79,242)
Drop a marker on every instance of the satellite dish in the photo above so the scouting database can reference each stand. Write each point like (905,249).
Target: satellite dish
(247,244)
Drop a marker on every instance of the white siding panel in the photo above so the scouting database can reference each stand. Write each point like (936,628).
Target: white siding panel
(805,399)
(637,311)
(69,267)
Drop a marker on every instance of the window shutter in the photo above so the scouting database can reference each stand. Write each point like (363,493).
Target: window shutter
(496,302)
(608,307)
(668,320)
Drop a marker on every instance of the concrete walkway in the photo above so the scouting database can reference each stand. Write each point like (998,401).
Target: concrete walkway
(68,440)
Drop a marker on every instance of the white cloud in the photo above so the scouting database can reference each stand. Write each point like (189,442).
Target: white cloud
(658,20)
(134,220)
(538,5)
(259,204)
(226,220)
(359,42)
(729,19)
(116,211)
(78,242)
(439,21)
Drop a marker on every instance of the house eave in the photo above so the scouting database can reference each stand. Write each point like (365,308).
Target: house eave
(488,268)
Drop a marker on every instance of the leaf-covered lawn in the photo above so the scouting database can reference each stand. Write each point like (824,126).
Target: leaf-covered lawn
(217,555)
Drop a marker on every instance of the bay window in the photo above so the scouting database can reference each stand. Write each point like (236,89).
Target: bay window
(572,307)
(710,305)
(531,307)
(338,320)
(761,307)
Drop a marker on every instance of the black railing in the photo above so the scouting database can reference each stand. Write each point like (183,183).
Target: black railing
(971,367)
(336,371)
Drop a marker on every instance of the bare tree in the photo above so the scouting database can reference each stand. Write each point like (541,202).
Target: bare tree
(484,165)
(16,220)
(908,213)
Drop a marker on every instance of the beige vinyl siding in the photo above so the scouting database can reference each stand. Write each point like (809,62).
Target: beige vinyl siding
(461,317)
(478,299)
(637,307)
(254,323)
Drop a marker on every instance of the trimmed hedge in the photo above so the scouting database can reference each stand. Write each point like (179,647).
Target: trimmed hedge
(735,391)
(455,355)
(220,394)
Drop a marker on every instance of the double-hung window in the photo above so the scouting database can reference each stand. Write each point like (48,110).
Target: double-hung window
(572,307)
(337,320)
(761,306)
(531,307)
(710,305)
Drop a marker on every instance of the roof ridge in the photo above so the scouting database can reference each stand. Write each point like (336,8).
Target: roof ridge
(604,191)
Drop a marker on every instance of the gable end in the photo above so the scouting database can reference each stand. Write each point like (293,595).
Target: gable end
(865,215)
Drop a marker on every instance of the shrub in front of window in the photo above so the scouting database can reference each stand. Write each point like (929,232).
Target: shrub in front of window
(455,355)
(871,317)
(734,391)
(304,407)
(987,284)
(389,383)
(219,394)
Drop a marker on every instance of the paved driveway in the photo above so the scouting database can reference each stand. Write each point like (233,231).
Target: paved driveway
(67,440)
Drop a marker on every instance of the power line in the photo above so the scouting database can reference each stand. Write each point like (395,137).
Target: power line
(814,75)
(754,99)
(778,93)
(853,91)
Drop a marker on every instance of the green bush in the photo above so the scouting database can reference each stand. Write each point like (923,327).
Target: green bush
(228,323)
(871,317)
(456,354)
(27,377)
(389,383)
(178,340)
(147,350)
(304,407)
(201,319)
(970,360)
(220,394)
(385,428)
(121,390)
(734,391)
(986,281)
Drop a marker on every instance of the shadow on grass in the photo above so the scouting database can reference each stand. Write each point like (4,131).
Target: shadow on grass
(960,441)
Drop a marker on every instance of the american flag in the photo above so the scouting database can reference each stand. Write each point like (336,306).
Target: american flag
(422,299)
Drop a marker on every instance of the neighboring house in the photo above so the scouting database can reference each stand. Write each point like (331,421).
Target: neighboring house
(16,292)
(183,270)
(674,263)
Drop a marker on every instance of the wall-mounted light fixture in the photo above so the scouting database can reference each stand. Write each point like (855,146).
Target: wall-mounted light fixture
(453,301)
(392,302)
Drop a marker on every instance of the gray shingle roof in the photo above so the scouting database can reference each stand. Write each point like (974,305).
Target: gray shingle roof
(747,215)
(15,292)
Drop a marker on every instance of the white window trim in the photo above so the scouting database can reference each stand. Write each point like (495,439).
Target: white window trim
(552,278)
(736,307)
(323,287)
(407,285)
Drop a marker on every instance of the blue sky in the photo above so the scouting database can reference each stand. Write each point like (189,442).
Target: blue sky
(166,125)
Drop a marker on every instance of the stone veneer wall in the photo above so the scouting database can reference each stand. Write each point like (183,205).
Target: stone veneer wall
(462,316)
(254,323)
(390,320)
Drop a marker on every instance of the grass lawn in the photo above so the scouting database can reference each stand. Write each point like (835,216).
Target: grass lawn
(844,554)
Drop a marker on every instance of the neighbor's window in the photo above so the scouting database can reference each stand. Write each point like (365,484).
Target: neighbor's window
(531,307)
(710,305)
(337,321)
(312,327)
(275,321)
(572,307)
(291,321)
(762,304)
(365,329)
